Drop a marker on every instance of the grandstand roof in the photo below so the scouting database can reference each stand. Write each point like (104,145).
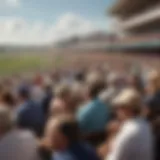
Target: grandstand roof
(127,8)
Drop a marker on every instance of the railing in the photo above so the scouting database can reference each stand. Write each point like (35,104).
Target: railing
(141,38)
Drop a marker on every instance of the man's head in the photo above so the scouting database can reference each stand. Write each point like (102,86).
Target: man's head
(77,95)
(95,84)
(23,93)
(7,99)
(127,104)
(61,132)
(6,120)
(63,92)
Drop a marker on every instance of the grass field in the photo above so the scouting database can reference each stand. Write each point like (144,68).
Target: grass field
(17,63)
(10,64)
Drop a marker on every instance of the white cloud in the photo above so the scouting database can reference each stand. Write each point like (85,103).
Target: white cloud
(9,3)
(19,31)
(13,3)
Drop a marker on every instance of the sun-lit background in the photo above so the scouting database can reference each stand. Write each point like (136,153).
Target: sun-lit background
(34,22)
(39,34)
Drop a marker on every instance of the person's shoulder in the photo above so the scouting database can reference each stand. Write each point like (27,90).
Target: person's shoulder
(100,102)
(130,128)
(25,135)
(84,107)
(100,105)
(23,138)
(91,107)
(95,103)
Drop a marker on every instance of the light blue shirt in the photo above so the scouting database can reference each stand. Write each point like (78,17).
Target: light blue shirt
(93,117)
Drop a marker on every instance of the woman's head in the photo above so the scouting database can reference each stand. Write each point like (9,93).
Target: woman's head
(127,104)
(63,91)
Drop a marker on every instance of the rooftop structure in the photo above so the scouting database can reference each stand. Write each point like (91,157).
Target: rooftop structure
(139,21)
(137,15)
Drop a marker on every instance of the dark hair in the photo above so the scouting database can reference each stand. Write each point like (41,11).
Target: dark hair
(137,110)
(24,92)
(95,88)
(7,98)
(80,76)
(71,130)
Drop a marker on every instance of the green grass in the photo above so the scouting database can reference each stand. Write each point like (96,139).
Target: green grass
(17,63)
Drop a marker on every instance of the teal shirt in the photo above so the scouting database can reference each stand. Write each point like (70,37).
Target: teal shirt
(93,117)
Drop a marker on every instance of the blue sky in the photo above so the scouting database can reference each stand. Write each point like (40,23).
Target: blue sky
(50,12)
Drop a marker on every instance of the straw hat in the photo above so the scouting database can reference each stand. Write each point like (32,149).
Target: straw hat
(129,98)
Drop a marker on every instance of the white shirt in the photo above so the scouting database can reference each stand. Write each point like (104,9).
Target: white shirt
(133,142)
(18,145)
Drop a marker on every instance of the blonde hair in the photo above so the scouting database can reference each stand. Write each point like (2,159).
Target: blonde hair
(128,98)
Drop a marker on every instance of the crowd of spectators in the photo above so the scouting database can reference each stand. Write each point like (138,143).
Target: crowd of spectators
(86,113)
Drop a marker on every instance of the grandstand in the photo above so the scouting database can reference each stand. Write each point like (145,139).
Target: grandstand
(140,21)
